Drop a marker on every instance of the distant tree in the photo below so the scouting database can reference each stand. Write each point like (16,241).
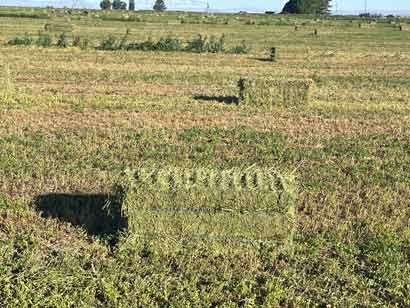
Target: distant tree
(307,7)
(159,6)
(119,5)
(324,8)
(131,5)
(105,5)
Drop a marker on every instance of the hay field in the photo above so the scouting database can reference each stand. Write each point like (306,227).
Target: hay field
(72,119)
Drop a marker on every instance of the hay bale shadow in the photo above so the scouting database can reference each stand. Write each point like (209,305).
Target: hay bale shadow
(98,214)
(262,59)
(228,100)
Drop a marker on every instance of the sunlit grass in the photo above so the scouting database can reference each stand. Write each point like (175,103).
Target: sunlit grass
(73,120)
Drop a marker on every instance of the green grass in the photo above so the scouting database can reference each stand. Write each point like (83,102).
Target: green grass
(72,119)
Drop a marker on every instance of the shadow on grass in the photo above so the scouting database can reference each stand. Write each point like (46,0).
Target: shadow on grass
(262,59)
(98,214)
(229,100)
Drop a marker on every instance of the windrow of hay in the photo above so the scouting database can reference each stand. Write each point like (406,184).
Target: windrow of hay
(174,207)
(268,92)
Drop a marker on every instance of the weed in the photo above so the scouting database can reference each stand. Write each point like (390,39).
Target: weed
(240,49)
(62,41)
(216,45)
(110,43)
(77,41)
(168,44)
(148,45)
(9,95)
(25,40)
(82,43)
(123,42)
(197,44)
(44,40)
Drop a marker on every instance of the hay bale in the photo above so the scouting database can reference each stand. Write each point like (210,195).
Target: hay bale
(268,92)
(368,25)
(273,54)
(59,25)
(174,207)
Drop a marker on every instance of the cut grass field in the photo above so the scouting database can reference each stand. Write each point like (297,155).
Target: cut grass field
(74,119)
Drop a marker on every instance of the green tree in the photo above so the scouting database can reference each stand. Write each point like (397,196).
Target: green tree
(105,5)
(324,8)
(159,6)
(291,7)
(119,5)
(307,7)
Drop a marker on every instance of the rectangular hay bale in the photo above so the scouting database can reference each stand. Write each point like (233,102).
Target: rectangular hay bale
(268,92)
(59,26)
(174,208)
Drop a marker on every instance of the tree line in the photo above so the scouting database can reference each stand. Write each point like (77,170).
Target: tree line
(321,7)
(159,5)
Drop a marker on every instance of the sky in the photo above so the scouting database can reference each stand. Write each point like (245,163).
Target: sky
(342,6)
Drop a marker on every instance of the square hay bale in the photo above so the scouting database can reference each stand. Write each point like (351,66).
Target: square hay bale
(273,53)
(174,22)
(174,209)
(269,92)
(59,25)
(367,25)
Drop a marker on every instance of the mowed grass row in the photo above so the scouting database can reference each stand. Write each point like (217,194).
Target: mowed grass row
(95,21)
(76,119)
(356,71)
(322,157)
(339,77)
